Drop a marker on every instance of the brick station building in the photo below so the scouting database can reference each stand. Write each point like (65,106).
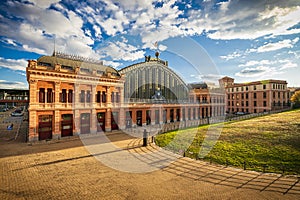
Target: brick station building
(71,95)
(255,97)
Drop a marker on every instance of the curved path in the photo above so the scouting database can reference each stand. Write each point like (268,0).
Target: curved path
(67,169)
(198,170)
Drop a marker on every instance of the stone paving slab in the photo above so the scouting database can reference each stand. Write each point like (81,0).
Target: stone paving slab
(68,170)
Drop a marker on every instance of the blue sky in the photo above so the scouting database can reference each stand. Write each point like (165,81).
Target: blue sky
(202,40)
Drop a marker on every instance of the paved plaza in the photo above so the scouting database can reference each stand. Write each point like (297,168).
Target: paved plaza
(117,166)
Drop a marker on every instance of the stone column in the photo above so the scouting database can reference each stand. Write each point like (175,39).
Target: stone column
(152,117)
(93,96)
(76,100)
(168,114)
(122,96)
(33,95)
(33,126)
(122,119)
(181,114)
(56,93)
(187,113)
(76,122)
(144,117)
(108,96)
(133,118)
(75,106)
(93,128)
(46,95)
(161,120)
(108,120)
(56,132)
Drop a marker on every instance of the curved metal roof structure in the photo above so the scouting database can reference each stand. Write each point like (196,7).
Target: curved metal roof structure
(144,79)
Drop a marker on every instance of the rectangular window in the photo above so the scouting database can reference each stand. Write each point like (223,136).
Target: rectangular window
(194,113)
(88,96)
(243,96)
(264,87)
(42,95)
(98,97)
(265,95)
(112,97)
(117,97)
(82,96)
(49,95)
(246,88)
(255,103)
(254,87)
(84,70)
(246,95)
(63,96)
(70,96)
(103,97)
(247,104)
(278,94)
(101,73)
(254,95)
(265,103)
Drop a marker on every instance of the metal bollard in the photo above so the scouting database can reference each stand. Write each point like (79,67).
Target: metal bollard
(145,137)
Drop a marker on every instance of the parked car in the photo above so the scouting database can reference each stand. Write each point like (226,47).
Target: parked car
(240,113)
(17,113)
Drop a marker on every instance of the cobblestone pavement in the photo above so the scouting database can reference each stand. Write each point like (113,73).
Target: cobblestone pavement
(66,169)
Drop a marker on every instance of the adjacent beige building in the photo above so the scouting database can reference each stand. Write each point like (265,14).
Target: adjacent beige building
(255,97)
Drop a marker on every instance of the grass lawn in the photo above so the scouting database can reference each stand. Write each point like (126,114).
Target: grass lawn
(269,143)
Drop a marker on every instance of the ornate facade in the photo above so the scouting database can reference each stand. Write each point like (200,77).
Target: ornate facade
(71,95)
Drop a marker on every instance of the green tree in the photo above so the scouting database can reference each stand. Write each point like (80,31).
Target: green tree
(296,99)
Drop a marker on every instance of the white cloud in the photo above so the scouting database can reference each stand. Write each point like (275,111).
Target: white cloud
(97,30)
(120,50)
(255,62)
(276,45)
(225,20)
(44,3)
(11,42)
(14,64)
(111,63)
(13,84)
(207,77)
(287,65)
(231,56)
(37,25)
(250,20)
(259,71)
(265,68)
(162,47)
